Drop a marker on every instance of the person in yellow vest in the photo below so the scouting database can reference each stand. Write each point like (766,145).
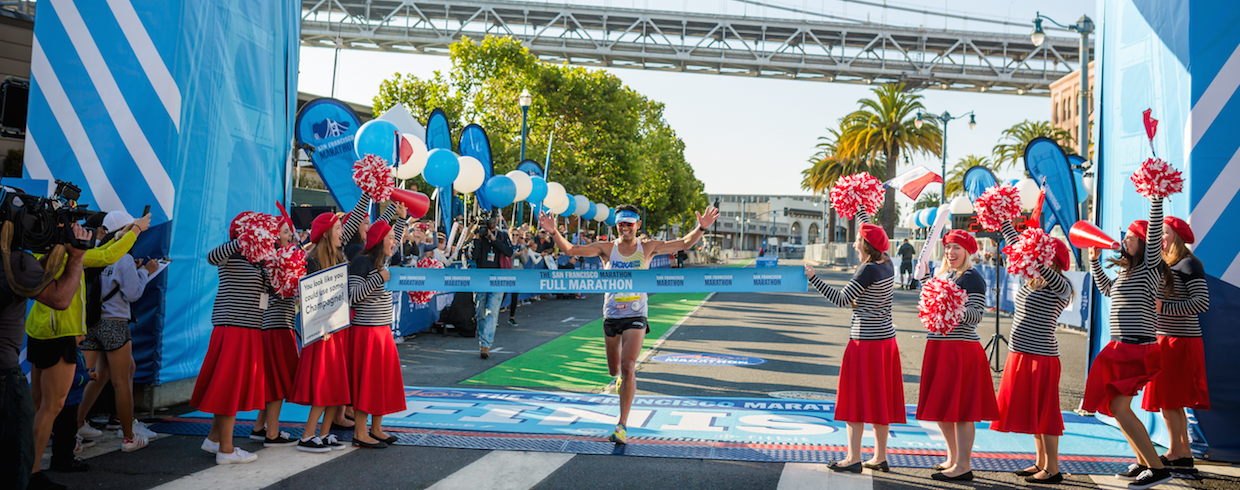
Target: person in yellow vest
(52,344)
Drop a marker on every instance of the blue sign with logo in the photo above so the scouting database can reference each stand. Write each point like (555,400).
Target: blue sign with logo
(699,359)
(330,126)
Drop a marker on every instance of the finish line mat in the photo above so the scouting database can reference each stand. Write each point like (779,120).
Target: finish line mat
(743,429)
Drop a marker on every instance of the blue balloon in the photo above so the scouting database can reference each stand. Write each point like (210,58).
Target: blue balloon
(590,210)
(1013,181)
(572,206)
(376,137)
(611,217)
(500,191)
(931,216)
(442,168)
(538,191)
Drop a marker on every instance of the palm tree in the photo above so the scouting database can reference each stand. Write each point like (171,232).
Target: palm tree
(1016,137)
(927,200)
(954,185)
(883,128)
(827,166)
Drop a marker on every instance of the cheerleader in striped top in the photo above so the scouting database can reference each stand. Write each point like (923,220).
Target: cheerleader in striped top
(374,367)
(956,388)
(1132,358)
(1183,295)
(227,382)
(280,355)
(871,386)
(1029,393)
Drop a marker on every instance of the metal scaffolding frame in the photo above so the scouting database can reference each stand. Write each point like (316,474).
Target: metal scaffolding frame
(839,52)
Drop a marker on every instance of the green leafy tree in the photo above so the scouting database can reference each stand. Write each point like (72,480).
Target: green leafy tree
(954,186)
(1011,148)
(882,129)
(826,167)
(611,144)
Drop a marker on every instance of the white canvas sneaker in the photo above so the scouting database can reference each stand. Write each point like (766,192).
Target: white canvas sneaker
(238,456)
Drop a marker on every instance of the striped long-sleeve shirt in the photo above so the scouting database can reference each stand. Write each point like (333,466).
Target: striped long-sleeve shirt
(1133,290)
(1192,296)
(869,293)
(971,282)
(242,286)
(370,301)
(1038,310)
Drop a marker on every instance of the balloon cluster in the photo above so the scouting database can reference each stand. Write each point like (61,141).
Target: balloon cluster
(856,190)
(941,308)
(257,234)
(371,174)
(1034,248)
(1157,179)
(996,205)
(421,297)
(286,269)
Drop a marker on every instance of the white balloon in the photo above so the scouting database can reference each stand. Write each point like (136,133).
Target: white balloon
(470,178)
(523,183)
(417,161)
(559,207)
(961,205)
(1028,193)
(923,218)
(600,212)
(582,205)
(555,192)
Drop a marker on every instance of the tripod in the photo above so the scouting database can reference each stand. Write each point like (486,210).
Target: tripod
(997,338)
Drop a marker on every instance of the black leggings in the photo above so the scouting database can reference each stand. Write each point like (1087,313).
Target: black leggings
(512,307)
(64,434)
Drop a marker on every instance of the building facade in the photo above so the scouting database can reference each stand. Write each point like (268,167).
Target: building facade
(1066,103)
(747,221)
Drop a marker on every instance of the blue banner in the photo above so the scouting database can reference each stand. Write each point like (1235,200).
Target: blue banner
(1047,164)
(330,126)
(976,180)
(530,167)
(439,136)
(474,143)
(736,280)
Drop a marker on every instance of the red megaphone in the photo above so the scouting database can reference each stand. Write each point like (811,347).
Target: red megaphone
(416,203)
(1085,235)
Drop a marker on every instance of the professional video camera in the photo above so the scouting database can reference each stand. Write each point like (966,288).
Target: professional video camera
(40,223)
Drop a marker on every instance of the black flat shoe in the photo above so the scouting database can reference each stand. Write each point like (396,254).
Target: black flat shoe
(1050,480)
(1182,463)
(938,467)
(966,476)
(1027,473)
(880,467)
(852,468)
(369,445)
(389,440)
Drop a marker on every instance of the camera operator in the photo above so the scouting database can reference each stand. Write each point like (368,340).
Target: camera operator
(52,347)
(17,411)
(490,243)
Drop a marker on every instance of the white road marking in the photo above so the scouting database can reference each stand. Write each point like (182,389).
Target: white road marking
(504,470)
(798,476)
(569,319)
(611,387)
(496,350)
(273,465)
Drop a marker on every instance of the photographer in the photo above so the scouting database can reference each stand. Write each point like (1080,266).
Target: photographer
(17,411)
(490,243)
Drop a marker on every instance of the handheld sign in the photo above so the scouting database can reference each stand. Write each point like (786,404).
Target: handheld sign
(324,303)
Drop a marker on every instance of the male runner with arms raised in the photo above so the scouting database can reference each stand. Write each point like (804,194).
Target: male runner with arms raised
(624,314)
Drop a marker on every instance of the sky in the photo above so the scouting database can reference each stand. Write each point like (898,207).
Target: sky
(754,135)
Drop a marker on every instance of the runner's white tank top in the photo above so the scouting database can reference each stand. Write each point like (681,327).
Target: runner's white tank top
(624,305)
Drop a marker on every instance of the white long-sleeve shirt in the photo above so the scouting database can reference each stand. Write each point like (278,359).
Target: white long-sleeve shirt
(131,282)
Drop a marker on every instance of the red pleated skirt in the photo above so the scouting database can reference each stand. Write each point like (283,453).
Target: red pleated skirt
(1183,384)
(231,379)
(956,384)
(1119,370)
(323,375)
(1029,396)
(871,388)
(280,360)
(374,372)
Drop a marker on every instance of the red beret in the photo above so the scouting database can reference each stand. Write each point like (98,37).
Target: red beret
(963,239)
(1062,258)
(288,221)
(875,236)
(1140,228)
(377,232)
(321,224)
(1181,228)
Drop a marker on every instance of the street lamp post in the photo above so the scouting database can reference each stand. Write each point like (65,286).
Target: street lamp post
(525,99)
(1084,26)
(945,118)
(744,221)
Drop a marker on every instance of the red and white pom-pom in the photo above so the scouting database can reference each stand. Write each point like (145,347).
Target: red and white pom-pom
(373,176)
(287,269)
(1034,248)
(1157,179)
(257,233)
(420,297)
(996,205)
(856,190)
(941,308)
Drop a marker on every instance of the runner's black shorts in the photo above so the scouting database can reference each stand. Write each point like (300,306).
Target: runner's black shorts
(44,354)
(906,266)
(615,326)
